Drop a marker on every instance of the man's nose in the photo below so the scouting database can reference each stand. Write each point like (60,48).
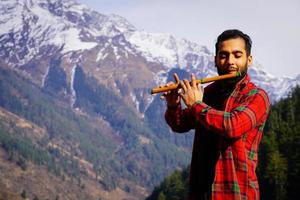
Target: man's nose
(230,60)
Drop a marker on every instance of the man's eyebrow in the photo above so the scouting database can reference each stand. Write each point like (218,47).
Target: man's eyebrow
(226,52)
(237,51)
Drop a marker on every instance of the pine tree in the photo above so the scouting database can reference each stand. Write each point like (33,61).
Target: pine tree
(24,194)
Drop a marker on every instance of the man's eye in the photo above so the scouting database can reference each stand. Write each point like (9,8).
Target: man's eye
(238,54)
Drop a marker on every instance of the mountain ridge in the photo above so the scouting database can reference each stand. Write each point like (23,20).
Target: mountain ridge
(78,28)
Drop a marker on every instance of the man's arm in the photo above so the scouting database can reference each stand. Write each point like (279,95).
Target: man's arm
(238,121)
(179,120)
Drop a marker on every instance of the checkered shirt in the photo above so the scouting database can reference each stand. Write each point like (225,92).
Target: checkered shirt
(228,130)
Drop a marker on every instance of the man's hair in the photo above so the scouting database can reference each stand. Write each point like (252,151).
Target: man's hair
(233,34)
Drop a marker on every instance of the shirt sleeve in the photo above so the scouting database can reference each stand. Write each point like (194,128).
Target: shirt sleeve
(180,120)
(239,120)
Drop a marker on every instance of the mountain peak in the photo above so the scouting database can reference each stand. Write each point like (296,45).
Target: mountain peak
(30,28)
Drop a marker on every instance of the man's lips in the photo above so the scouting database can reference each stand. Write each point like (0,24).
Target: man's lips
(232,71)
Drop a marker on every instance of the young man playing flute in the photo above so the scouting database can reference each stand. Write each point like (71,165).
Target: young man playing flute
(228,118)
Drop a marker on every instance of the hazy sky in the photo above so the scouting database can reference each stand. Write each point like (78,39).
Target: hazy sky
(273,25)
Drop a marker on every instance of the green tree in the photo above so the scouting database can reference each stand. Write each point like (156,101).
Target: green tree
(24,194)
(276,173)
(161,196)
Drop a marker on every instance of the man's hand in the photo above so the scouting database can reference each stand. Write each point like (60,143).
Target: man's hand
(191,92)
(172,97)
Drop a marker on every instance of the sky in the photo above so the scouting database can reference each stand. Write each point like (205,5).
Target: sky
(273,25)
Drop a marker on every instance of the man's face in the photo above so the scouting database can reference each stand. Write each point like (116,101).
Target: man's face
(232,57)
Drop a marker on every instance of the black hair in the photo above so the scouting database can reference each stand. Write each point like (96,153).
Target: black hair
(233,34)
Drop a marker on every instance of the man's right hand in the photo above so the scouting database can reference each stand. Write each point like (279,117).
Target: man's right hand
(172,97)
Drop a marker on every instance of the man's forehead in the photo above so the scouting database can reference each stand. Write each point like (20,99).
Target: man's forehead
(235,44)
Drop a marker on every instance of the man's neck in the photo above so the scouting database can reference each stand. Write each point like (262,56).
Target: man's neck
(227,86)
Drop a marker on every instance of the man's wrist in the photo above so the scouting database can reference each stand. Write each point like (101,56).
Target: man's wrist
(190,106)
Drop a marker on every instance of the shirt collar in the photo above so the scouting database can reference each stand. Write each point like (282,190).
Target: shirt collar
(242,83)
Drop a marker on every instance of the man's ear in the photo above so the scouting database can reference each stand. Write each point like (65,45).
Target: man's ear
(250,60)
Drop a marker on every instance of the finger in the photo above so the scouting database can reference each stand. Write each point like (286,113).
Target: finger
(194,85)
(176,78)
(170,83)
(200,87)
(187,84)
(183,86)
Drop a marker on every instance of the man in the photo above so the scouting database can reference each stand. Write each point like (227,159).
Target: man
(228,121)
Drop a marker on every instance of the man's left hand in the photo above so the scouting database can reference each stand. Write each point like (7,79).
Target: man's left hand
(191,92)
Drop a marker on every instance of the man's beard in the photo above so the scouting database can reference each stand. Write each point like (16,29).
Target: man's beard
(235,80)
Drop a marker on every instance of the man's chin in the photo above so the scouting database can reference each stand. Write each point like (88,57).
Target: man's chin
(227,72)
(232,81)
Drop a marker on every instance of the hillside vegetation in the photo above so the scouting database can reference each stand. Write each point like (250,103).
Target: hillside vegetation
(102,139)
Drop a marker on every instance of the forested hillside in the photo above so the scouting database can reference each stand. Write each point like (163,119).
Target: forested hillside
(38,131)
(279,157)
(279,165)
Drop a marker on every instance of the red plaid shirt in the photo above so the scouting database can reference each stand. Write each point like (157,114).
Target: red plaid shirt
(228,129)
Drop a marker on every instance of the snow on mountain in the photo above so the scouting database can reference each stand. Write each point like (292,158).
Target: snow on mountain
(276,87)
(169,51)
(60,23)
(166,49)
(29,25)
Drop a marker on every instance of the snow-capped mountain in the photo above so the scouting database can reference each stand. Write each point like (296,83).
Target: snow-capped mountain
(276,87)
(30,24)
(34,29)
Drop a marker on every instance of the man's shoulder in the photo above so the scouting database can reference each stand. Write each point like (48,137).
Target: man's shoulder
(252,89)
(255,88)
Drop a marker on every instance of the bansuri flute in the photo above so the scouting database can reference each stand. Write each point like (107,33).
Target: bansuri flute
(201,81)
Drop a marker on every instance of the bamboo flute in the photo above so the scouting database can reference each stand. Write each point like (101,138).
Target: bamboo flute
(166,88)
